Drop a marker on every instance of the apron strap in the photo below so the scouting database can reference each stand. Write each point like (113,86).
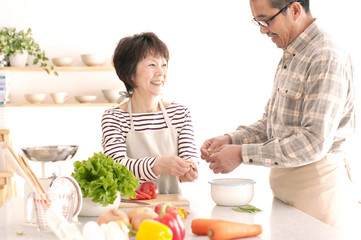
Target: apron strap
(165,115)
(348,169)
(130,115)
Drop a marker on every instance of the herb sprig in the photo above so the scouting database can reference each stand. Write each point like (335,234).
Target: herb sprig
(247,209)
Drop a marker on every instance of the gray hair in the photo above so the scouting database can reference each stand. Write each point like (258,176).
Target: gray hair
(282,3)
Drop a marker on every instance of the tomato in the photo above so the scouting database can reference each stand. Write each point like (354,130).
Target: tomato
(142,195)
(150,189)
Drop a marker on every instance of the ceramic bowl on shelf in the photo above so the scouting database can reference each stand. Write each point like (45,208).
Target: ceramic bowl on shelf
(35,98)
(94,59)
(111,95)
(62,61)
(85,98)
(241,191)
(59,97)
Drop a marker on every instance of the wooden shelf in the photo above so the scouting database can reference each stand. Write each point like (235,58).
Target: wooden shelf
(60,105)
(59,69)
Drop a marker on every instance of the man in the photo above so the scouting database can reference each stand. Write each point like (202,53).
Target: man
(307,118)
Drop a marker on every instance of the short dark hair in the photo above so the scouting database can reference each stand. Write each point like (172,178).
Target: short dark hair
(281,3)
(131,50)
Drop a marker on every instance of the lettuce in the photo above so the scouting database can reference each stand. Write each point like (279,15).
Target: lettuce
(100,178)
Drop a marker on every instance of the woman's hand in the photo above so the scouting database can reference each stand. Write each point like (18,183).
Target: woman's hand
(192,174)
(212,145)
(171,165)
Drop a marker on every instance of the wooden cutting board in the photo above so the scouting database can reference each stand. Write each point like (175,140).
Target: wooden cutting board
(174,199)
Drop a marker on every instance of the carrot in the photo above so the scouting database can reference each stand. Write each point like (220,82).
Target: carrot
(200,225)
(233,230)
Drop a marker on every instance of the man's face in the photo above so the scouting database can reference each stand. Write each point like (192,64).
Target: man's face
(280,29)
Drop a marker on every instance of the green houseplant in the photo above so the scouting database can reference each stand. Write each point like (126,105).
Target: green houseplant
(13,42)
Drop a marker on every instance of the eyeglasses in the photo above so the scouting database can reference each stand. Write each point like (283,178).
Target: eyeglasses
(265,23)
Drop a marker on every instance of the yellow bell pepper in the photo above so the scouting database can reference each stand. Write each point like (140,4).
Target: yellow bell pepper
(151,229)
(182,212)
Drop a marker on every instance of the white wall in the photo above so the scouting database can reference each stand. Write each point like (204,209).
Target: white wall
(221,67)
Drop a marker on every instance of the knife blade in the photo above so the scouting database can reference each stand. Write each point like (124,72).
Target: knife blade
(133,201)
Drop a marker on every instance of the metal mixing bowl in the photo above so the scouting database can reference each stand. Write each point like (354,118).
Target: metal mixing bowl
(50,153)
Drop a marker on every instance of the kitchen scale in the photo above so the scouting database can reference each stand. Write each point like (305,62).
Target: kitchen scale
(55,182)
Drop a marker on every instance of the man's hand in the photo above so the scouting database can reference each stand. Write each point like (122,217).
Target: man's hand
(226,158)
(210,146)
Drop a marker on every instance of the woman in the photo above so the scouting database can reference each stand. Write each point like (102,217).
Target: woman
(151,137)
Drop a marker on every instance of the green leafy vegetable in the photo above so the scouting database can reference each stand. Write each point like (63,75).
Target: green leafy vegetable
(100,178)
(247,209)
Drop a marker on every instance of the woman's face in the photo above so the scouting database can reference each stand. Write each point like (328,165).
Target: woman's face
(150,75)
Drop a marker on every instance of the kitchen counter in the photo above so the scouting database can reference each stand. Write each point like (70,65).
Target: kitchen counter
(279,221)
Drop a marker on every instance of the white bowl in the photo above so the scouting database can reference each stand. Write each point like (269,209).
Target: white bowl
(85,99)
(232,191)
(111,95)
(35,97)
(93,59)
(62,61)
(93,209)
(59,97)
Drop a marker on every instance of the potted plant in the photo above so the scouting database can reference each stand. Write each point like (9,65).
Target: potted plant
(14,42)
(102,181)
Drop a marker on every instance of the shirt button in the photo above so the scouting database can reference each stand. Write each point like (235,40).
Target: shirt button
(251,160)
(285,67)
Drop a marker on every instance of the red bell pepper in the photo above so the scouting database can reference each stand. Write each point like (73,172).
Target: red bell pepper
(158,208)
(172,219)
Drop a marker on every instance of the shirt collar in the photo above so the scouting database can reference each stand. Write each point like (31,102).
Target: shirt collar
(302,40)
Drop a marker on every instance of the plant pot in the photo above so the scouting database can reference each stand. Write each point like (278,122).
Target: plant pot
(18,60)
(92,209)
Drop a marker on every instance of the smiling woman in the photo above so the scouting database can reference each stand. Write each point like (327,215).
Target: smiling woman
(151,137)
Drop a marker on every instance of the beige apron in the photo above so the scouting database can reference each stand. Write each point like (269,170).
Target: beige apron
(321,189)
(155,143)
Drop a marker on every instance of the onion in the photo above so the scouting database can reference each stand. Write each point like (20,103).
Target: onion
(113,214)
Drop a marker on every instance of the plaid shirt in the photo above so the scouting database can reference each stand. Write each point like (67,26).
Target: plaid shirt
(311,111)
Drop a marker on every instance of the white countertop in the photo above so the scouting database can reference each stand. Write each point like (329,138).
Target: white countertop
(279,221)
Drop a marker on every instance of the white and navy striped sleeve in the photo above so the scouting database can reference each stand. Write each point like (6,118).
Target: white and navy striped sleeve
(116,125)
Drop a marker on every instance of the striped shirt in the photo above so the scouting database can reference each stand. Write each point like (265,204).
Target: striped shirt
(311,110)
(116,125)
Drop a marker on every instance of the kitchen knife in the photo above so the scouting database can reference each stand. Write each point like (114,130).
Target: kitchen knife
(133,201)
